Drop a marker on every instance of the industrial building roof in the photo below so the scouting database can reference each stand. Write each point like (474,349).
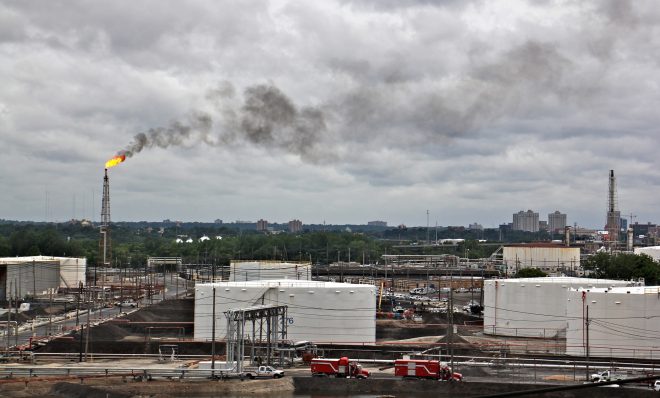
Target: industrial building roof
(26,259)
(541,244)
(284,283)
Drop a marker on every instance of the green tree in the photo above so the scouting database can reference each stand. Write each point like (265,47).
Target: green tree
(5,247)
(624,266)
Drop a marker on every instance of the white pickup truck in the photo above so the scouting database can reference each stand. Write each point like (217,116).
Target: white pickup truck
(263,372)
(606,375)
(128,303)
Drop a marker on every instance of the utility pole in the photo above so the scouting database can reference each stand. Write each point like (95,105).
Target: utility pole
(80,355)
(450,312)
(87,335)
(80,290)
(9,317)
(586,327)
(213,339)
(16,314)
(50,313)
(121,287)
(427,228)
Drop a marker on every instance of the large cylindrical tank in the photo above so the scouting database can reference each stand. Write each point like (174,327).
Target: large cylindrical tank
(242,271)
(623,322)
(531,307)
(316,311)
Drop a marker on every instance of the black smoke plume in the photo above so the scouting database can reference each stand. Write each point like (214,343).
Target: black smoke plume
(266,117)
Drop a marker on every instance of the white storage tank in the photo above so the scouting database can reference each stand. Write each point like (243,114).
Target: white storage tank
(241,271)
(549,258)
(322,312)
(623,322)
(651,251)
(38,275)
(532,307)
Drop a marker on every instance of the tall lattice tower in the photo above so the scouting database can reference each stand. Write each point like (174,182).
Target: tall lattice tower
(613,225)
(105,252)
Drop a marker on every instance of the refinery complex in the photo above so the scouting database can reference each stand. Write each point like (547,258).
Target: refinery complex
(173,317)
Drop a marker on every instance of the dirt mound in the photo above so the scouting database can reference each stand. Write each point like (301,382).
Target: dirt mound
(472,371)
(108,332)
(166,311)
(393,323)
(398,330)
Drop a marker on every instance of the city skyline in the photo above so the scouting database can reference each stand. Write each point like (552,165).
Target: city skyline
(339,111)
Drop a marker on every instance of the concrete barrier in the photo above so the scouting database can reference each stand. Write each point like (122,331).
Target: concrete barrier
(314,385)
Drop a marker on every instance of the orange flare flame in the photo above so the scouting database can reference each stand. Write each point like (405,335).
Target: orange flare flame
(115,161)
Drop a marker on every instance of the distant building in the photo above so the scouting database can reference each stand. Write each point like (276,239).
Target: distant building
(476,227)
(550,258)
(506,227)
(543,225)
(295,226)
(262,225)
(556,222)
(526,221)
(218,221)
(377,223)
(642,229)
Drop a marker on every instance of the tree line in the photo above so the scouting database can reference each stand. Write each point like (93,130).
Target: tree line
(132,243)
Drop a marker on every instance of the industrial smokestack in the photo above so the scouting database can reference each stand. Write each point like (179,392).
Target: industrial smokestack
(613,215)
(567,235)
(630,239)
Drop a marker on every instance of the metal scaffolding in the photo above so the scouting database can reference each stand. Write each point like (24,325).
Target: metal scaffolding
(271,328)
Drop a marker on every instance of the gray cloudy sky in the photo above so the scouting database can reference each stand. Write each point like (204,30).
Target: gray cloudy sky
(344,111)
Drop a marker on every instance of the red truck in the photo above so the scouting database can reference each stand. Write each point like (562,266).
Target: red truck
(342,367)
(425,369)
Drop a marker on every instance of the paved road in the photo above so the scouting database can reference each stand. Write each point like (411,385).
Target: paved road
(60,325)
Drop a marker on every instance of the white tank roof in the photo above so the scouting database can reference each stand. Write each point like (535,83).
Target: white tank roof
(15,260)
(284,283)
(652,251)
(565,280)
(623,290)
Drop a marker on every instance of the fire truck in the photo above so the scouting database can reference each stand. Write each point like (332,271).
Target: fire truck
(425,369)
(342,367)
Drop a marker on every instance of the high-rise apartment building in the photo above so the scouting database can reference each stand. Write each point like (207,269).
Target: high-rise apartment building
(526,221)
(556,222)
(295,226)
(262,225)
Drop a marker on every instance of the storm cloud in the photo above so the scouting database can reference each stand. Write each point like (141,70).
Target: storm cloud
(470,109)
